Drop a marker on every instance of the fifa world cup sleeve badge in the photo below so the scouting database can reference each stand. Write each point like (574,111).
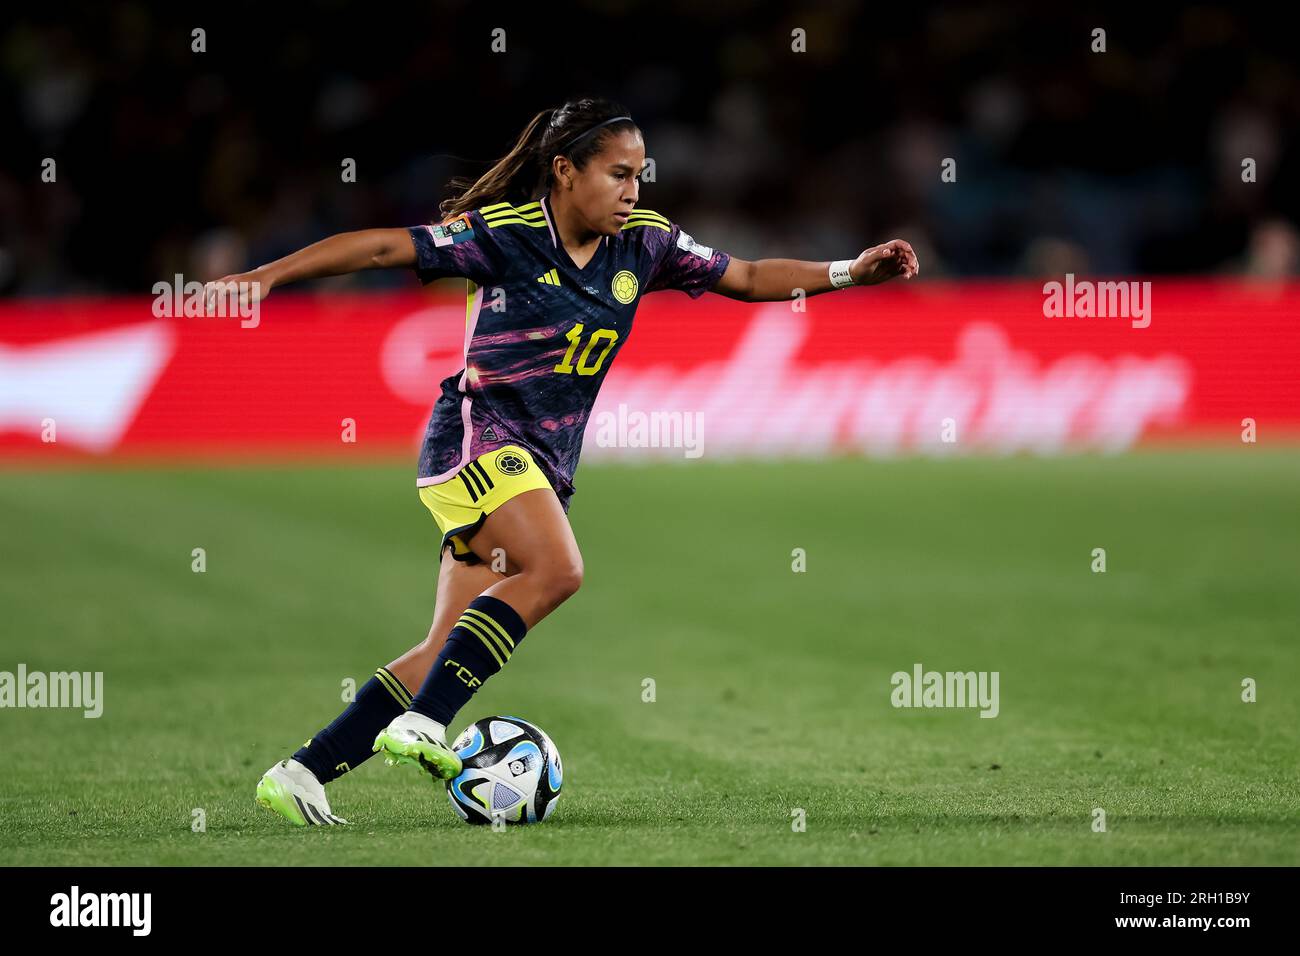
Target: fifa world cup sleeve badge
(459,229)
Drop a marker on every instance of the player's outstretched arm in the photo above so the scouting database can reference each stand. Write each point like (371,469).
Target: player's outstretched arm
(773,280)
(337,255)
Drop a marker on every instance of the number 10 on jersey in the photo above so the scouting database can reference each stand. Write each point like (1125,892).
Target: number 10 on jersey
(608,336)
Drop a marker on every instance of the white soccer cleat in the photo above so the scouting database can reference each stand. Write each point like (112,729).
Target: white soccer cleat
(416,739)
(293,791)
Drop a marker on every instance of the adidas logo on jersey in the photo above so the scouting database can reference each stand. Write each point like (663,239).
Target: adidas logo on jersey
(550,278)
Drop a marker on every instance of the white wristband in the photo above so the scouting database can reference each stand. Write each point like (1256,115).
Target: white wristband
(840,273)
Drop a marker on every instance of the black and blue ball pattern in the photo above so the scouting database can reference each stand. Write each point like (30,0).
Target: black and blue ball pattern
(511,770)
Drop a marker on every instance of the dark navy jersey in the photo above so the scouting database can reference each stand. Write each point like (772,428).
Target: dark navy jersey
(540,333)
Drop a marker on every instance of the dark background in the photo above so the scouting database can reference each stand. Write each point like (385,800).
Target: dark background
(203,163)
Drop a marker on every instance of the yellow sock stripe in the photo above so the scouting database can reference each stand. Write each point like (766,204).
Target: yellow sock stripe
(394,686)
(478,632)
(478,626)
(632,224)
(495,626)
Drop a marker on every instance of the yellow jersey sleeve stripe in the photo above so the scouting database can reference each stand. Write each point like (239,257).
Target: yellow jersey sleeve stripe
(650,214)
(498,206)
(513,214)
(515,220)
(630,224)
(523,213)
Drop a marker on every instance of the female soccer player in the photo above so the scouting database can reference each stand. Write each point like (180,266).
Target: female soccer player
(557,256)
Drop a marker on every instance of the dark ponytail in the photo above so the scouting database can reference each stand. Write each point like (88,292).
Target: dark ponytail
(524,173)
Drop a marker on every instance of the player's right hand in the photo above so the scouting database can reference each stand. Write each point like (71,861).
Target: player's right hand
(240,290)
(883,262)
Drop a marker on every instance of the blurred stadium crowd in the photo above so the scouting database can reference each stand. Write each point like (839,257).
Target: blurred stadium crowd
(1128,161)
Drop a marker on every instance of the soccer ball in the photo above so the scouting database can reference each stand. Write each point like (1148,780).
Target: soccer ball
(511,771)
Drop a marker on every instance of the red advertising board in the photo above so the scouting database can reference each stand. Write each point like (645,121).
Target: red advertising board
(934,367)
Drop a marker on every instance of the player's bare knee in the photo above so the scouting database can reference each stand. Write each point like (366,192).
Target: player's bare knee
(570,579)
(560,581)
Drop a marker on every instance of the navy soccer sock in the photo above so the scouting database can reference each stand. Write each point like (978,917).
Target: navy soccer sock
(479,645)
(345,744)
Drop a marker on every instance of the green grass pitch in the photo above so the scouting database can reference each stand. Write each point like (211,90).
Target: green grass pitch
(1120,691)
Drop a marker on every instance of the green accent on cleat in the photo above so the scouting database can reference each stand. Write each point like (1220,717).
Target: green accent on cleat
(274,797)
(437,760)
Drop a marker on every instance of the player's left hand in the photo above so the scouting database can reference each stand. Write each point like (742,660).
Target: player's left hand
(882,262)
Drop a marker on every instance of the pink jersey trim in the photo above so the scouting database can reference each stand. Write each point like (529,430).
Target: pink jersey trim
(546,214)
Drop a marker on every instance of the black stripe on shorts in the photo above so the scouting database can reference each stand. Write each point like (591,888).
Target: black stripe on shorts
(473,494)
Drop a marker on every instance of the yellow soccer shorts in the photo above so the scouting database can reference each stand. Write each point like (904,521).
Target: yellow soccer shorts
(462,503)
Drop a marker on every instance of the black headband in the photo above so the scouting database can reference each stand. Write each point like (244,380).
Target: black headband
(581,136)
